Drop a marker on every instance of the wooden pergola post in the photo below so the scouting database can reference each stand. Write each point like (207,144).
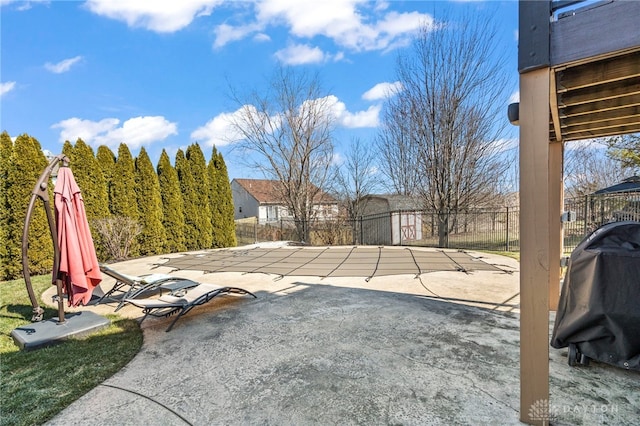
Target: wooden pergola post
(556,207)
(535,240)
(578,80)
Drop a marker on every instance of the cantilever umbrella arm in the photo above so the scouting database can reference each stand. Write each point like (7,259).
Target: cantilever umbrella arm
(41,190)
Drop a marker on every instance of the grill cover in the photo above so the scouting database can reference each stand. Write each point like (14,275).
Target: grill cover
(599,307)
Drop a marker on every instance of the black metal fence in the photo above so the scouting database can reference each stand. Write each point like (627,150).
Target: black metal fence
(487,230)
(495,230)
(593,211)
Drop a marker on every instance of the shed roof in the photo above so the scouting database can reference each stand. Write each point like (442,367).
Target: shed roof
(398,201)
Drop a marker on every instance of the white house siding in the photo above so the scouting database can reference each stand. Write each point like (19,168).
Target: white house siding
(244,205)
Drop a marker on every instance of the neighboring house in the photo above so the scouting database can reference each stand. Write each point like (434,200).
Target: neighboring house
(627,191)
(391,219)
(260,198)
(630,184)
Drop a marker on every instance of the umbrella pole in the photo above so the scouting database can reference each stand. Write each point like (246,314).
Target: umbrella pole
(41,191)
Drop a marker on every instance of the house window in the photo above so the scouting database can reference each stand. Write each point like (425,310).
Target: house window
(272,213)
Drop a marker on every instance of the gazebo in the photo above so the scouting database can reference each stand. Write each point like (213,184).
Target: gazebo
(579,79)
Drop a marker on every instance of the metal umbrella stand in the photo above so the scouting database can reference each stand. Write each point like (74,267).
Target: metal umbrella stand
(41,332)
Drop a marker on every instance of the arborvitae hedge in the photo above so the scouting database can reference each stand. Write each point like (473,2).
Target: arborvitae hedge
(200,200)
(67,149)
(189,193)
(172,205)
(152,240)
(93,186)
(91,181)
(6,148)
(123,186)
(27,163)
(186,207)
(221,202)
(214,202)
(107,161)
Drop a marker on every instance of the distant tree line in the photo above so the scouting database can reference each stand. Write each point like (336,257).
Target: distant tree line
(133,208)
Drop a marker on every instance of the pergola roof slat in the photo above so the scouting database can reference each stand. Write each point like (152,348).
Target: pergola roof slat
(599,72)
(621,115)
(602,92)
(596,99)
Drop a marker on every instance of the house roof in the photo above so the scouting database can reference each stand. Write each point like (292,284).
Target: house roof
(267,191)
(631,184)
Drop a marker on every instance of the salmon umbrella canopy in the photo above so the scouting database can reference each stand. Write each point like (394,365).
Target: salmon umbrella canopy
(79,269)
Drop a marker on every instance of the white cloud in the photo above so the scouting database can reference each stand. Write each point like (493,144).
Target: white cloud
(74,128)
(395,24)
(352,24)
(220,131)
(62,66)
(358,119)
(23,5)
(368,118)
(261,37)
(337,159)
(134,132)
(299,54)
(6,87)
(515,97)
(226,33)
(382,91)
(160,16)
(502,145)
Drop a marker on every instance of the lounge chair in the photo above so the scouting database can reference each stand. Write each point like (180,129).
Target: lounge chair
(182,301)
(132,286)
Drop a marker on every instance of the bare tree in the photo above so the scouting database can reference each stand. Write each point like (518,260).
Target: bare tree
(588,167)
(451,108)
(354,179)
(398,151)
(289,128)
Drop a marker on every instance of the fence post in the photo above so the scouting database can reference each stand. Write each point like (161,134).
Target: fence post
(586,213)
(255,230)
(507,245)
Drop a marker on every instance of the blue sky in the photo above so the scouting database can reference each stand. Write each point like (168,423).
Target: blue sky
(158,73)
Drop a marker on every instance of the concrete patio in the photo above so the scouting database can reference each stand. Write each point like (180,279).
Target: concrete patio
(442,348)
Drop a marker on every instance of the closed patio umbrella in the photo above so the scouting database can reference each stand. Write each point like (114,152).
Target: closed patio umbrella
(79,269)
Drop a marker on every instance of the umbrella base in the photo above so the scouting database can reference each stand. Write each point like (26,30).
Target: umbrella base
(50,332)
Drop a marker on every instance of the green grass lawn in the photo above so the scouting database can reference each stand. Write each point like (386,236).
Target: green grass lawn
(512,254)
(36,385)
